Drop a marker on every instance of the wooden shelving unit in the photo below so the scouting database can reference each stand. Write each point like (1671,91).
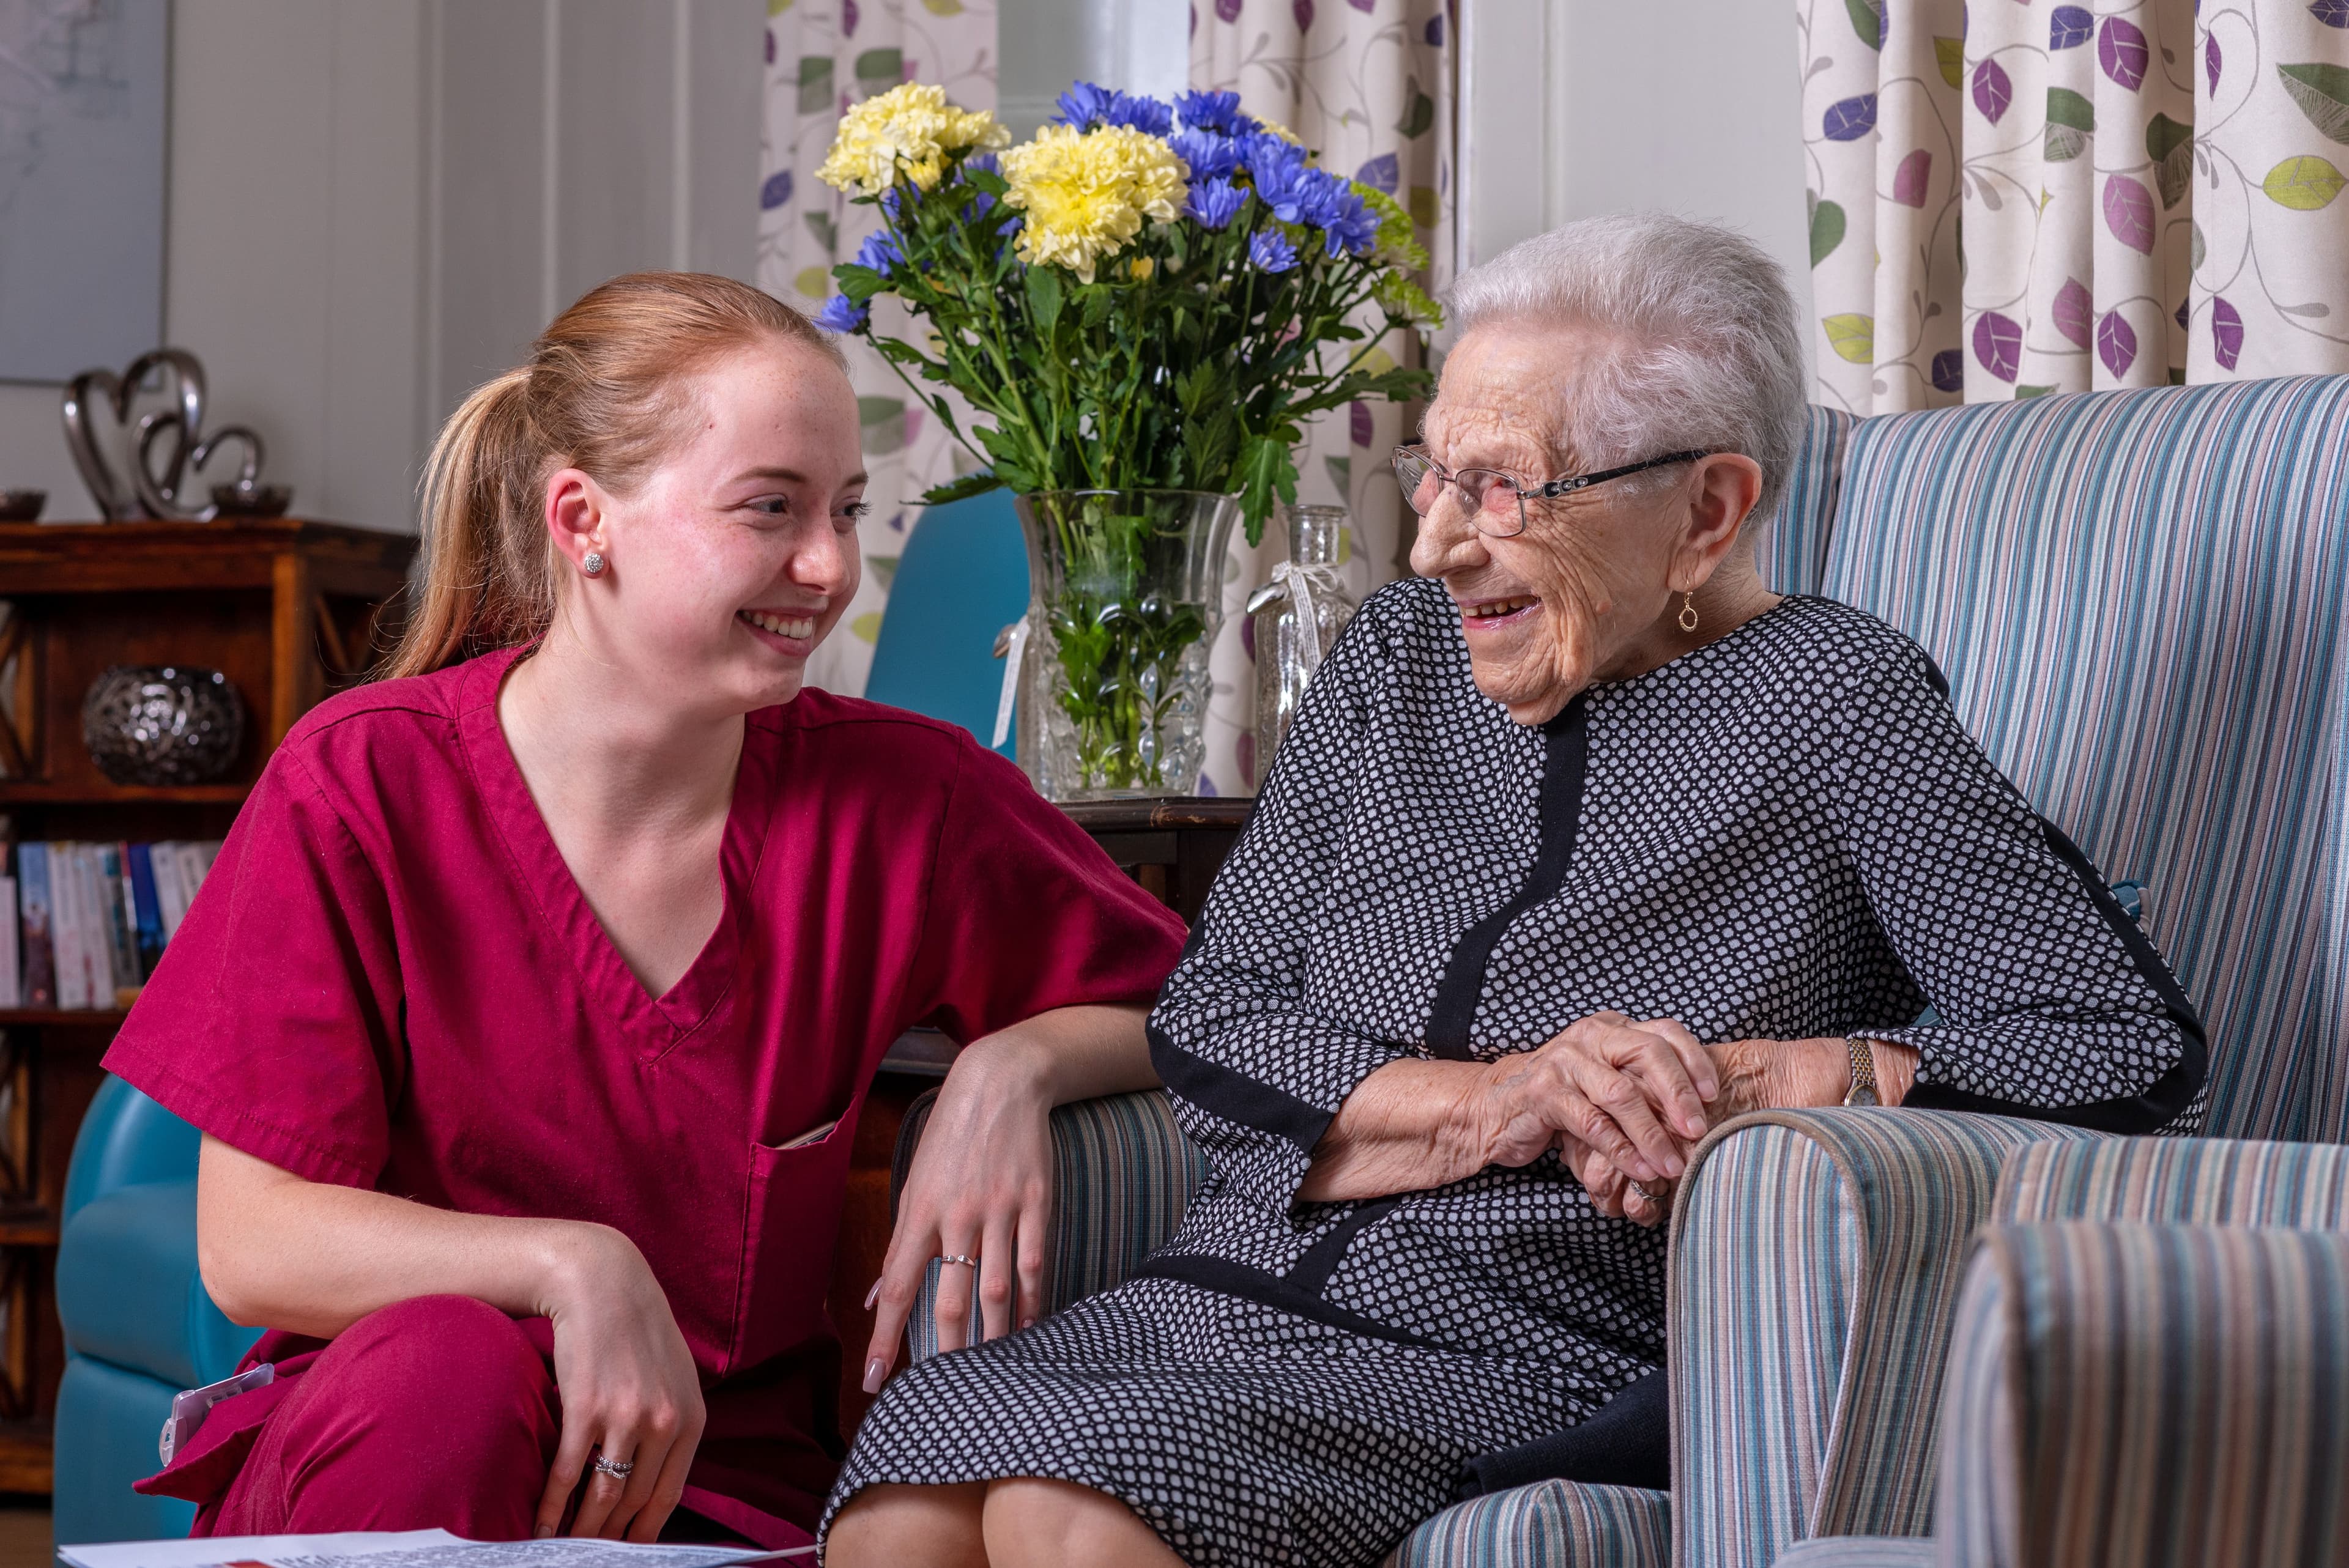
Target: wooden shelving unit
(292,610)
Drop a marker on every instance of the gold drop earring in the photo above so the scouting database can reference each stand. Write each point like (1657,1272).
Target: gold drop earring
(1688,611)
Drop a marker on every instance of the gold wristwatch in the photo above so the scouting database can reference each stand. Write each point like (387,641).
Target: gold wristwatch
(1863,1072)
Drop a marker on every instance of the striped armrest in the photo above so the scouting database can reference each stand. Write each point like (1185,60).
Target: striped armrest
(1125,1174)
(2158,1396)
(2189,1181)
(1550,1524)
(1815,1260)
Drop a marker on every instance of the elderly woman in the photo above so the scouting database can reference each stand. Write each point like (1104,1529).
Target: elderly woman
(1583,842)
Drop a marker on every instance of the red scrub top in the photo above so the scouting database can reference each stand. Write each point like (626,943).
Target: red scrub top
(391,981)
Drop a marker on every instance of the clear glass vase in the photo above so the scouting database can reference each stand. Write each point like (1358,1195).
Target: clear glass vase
(1293,621)
(1124,602)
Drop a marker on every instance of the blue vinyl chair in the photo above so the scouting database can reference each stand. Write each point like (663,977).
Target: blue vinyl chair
(962,579)
(139,1326)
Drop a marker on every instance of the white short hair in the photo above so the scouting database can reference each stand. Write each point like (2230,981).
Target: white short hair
(1710,354)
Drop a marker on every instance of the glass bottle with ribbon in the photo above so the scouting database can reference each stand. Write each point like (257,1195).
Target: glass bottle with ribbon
(1294,621)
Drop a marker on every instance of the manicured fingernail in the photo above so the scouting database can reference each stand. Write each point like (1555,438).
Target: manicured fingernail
(872,1295)
(541,1532)
(1027,1323)
(873,1376)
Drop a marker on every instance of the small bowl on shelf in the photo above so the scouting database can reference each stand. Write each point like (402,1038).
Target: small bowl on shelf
(22,505)
(242,500)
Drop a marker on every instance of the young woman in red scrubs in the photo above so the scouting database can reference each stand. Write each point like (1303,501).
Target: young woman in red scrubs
(529,1006)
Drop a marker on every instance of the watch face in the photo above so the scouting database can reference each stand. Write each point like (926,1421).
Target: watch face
(1862,1096)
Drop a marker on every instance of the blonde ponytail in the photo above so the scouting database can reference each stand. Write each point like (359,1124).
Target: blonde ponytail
(603,392)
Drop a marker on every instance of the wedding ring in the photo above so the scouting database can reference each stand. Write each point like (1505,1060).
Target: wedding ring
(959,1258)
(1651,1197)
(618,1470)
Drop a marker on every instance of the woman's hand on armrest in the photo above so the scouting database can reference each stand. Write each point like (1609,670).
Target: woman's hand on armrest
(981,1182)
(1799,1075)
(314,1258)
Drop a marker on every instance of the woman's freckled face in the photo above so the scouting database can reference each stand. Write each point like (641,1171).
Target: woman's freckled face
(1546,612)
(740,554)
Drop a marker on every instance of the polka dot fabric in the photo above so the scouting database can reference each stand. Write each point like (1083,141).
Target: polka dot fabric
(1782,835)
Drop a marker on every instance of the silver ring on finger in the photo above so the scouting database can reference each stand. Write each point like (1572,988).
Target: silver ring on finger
(618,1470)
(967,1262)
(1644,1193)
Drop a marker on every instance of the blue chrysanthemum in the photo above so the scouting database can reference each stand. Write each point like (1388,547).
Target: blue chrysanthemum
(1270,251)
(1212,111)
(1279,171)
(1216,202)
(1086,105)
(839,315)
(880,252)
(1205,153)
(1331,206)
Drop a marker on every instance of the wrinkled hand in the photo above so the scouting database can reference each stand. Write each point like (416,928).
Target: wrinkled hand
(630,1393)
(1620,1101)
(980,1186)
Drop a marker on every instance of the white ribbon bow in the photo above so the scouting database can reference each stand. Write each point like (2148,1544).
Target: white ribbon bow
(1299,585)
(1012,647)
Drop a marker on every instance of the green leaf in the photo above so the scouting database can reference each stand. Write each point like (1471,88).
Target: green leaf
(1044,296)
(2304,183)
(2178,376)
(814,282)
(2163,136)
(777,8)
(2322,91)
(2062,143)
(1950,54)
(2026,390)
(987,180)
(962,488)
(1420,118)
(826,232)
(1852,336)
(866,628)
(2066,107)
(815,83)
(2172,147)
(1423,206)
(878,70)
(1341,476)
(882,422)
(859,284)
(885,567)
(1266,470)
(943,7)
(1827,229)
(2196,250)
(1866,21)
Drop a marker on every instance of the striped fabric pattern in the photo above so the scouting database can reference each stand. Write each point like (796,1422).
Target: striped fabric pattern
(2137,599)
(1124,1172)
(1860,1551)
(2154,1396)
(1791,550)
(2195,1182)
(1813,1273)
(1551,1525)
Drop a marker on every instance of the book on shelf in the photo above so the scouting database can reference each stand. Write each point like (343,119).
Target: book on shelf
(91,919)
(11,983)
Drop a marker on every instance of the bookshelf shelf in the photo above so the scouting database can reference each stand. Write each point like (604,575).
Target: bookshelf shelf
(291,610)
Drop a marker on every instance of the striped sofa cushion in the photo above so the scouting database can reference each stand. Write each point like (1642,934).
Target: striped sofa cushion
(1791,548)
(1861,1552)
(1124,1176)
(2193,1181)
(1550,1524)
(2138,597)
(1811,1285)
(2154,1396)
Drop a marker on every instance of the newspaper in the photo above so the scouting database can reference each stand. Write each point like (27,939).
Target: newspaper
(410,1549)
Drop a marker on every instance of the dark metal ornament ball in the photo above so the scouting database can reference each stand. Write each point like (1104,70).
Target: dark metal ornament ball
(162,724)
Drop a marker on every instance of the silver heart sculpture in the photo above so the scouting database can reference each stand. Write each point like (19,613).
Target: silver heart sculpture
(144,493)
(187,462)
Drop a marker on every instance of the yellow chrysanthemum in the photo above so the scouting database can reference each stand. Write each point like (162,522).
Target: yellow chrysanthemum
(1280,130)
(910,127)
(1086,193)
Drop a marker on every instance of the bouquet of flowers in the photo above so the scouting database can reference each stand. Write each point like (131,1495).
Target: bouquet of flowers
(1143,297)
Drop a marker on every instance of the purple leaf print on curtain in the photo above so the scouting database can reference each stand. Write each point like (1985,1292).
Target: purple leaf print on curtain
(1362,5)
(2210,61)
(848,18)
(2129,213)
(2069,25)
(1949,371)
(1227,10)
(1998,344)
(776,190)
(1848,120)
(1304,12)
(2121,50)
(2332,13)
(2072,310)
(2226,333)
(1384,171)
(1992,92)
(1909,181)
(2115,344)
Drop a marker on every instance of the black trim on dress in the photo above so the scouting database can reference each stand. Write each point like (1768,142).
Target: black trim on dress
(1560,813)
(1235,1097)
(1227,1278)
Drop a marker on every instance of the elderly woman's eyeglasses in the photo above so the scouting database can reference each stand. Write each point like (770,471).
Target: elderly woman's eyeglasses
(1495,500)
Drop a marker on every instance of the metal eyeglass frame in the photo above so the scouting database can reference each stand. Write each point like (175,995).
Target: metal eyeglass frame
(1406,458)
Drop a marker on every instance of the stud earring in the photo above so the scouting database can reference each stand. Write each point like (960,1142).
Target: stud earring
(1688,612)
(592,564)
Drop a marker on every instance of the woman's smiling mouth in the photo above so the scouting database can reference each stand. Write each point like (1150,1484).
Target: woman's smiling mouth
(1488,614)
(798,628)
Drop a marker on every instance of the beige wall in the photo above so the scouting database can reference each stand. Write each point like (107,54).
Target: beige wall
(375,204)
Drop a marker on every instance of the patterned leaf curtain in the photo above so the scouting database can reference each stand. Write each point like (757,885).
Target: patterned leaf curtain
(2021,197)
(1369,84)
(822,56)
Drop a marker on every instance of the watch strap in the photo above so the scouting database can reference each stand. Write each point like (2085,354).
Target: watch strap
(1864,1090)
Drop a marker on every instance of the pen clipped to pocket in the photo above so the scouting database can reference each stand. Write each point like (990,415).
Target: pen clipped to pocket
(811,1136)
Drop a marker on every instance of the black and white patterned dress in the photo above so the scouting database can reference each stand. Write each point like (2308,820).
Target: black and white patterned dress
(1784,835)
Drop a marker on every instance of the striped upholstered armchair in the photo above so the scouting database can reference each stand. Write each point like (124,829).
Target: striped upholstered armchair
(2138,598)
